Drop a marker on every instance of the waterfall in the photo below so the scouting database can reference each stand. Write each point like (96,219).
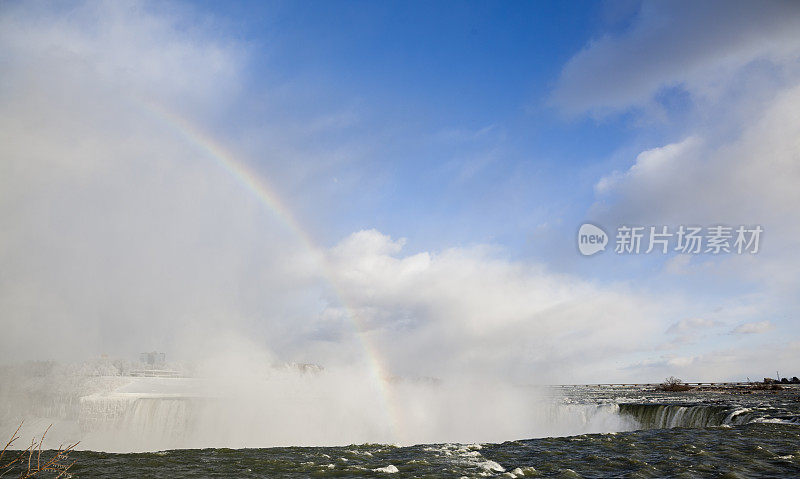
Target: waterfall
(659,416)
(165,421)
(138,423)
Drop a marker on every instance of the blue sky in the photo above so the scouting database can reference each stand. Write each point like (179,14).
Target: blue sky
(454,103)
(441,156)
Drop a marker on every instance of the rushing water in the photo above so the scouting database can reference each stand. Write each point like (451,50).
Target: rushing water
(694,434)
(753,450)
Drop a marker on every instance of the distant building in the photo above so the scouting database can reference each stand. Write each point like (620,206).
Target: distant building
(153,360)
(154,364)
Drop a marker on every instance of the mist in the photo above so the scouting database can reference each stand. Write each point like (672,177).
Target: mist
(223,403)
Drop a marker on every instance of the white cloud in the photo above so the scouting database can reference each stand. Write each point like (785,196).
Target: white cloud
(725,364)
(749,179)
(733,159)
(691,324)
(694,46)
(744,180)
(651,166)
(753,328)
(468,310)
(688,331)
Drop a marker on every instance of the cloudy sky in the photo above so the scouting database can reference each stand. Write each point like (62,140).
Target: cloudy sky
(339,182)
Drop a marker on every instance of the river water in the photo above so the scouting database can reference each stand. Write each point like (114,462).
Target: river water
(692,434)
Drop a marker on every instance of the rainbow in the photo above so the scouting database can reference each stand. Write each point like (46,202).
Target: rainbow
(260,188)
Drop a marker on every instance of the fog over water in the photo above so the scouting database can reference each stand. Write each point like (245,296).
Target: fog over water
(291,405)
